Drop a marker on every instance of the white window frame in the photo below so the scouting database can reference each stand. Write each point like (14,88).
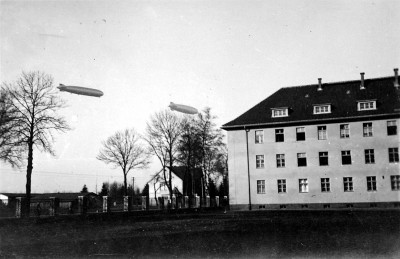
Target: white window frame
(259,139)
(368,129)
(395,182)
(322,109)
(300,130)
(280,160)
(371,183)
(348,184)
(281,185)
(260,161)
(280,112)
(303,157)
(303,185)
(392,124)
(344,130)
(369,156)
(322,132)
(393,154)
(260,186)
(366,105)
(325,185)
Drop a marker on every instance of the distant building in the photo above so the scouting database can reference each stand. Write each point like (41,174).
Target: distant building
(327,145)
(184,183)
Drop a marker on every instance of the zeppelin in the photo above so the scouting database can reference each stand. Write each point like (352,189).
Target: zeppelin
(80,90)
(182,108)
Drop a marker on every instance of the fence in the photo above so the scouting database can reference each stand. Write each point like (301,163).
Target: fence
(53,206)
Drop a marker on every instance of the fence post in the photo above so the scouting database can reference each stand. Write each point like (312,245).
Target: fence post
(166,202)
(186,202)
(127,203)
(80,205)
(52,210)
(144,203)
(217,201)
(207,201)
(173,201)
(105,203)
(18,207)
(197,201)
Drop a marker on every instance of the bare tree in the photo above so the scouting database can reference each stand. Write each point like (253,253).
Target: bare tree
(11,148)
(211,143)
(162,135)
(123,150)
(36,104)
(189,151)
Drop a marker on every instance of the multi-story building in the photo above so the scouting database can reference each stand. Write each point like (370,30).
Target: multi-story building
(326,145)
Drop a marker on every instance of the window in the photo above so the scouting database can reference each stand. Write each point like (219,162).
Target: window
(280,160)
(259,136)
(325,185)
(281,112)
(371,183)
(395,181)
(369,156)
(344,131)
(393,155)
(260,186)
(321,132)
(301,159)
(348,184)
(281,185)
(259,161)
(300,134)
(346,157)
(367,129)
(366,105)
(321,109)
(323,158)
(303,185)
(279,135)
(391,128)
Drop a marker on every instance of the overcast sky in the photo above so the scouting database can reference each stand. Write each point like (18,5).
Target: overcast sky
(227,55)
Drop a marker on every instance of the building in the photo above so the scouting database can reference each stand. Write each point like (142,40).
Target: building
(328,145)
(183,182)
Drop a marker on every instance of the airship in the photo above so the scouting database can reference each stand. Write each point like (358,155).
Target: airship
(80,90)
(182,108)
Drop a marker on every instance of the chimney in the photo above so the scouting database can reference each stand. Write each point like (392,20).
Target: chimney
(319,84)
(396,78)
(362,87)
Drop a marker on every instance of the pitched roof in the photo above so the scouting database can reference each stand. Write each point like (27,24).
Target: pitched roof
(342,96)
(179,171)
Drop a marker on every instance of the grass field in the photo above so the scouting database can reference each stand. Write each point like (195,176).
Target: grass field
(257,234)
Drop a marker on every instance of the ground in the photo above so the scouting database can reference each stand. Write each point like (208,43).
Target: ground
(257,234)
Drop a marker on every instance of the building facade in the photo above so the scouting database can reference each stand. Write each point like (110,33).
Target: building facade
(330,145)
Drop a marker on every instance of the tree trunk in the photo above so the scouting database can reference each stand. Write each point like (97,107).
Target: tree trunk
(28,179)
(125,185)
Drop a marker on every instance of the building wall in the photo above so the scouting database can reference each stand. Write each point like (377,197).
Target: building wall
(313,172)
(162,191)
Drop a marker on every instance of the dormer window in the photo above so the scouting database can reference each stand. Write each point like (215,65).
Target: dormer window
(366,105)
(322,108)
(279,112)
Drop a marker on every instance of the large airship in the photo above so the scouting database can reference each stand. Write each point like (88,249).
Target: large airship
(182,108)
(80,90)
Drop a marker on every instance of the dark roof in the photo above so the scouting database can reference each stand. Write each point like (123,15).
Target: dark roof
(181,170)
(342,96)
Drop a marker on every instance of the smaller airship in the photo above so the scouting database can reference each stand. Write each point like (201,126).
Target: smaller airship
(80,90)
(182,108)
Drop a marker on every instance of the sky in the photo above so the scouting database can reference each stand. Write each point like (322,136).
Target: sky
(226,55)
